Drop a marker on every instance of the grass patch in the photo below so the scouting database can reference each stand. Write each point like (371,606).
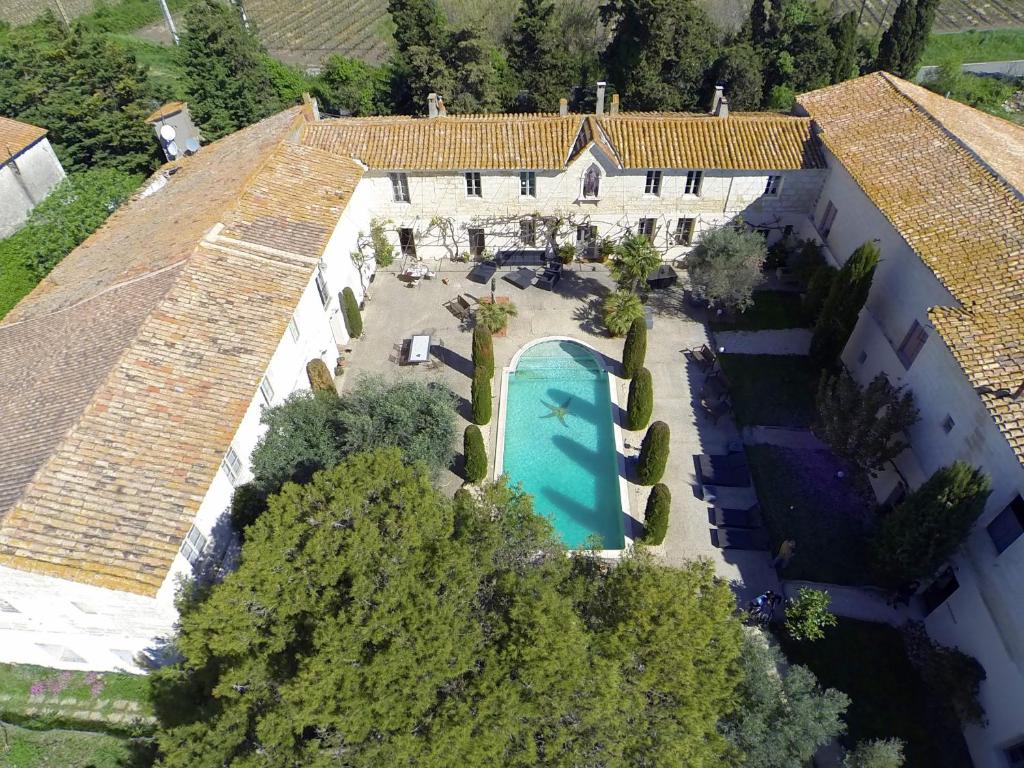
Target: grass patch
(869,663)
(771,309)
(16,280)
(165,70)
(972,46)
(64,749)
(43,698)
(771,390)
(802,499)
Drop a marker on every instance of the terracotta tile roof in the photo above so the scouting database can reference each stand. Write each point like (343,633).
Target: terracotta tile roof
(936,174)
(120,475)
(15,136)
(635,140)
(745,142)
(168,109)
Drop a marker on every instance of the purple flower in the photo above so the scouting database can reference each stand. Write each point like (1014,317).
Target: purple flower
(37,689)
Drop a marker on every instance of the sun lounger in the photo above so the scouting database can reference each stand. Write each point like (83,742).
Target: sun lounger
(522,278)
(723,469)
(716,409)
(740,538)
(526,258)
(731,517)
(483,272)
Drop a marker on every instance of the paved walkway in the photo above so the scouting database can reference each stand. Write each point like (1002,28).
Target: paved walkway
(784,437)
(862,603)
(788,341)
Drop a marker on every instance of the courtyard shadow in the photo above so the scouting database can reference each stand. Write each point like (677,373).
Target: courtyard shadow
(453,360)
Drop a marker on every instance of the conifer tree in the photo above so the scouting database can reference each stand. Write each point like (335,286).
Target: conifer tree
(846,296)
(635,348)
(904,41)
(538,57)
(843,32)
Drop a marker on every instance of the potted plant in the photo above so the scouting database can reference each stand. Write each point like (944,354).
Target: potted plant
(494,316)
(567,253)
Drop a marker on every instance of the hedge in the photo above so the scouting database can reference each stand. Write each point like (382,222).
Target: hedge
(653,454)
(659,504)
(475,453)
(640,404)
(320,378)
(481,397)
(350,308)
(818,288)
(635,349)
(483,350)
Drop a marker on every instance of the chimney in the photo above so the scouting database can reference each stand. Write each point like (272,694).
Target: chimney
(615,104)
(441,111)
(563,107)
(719,93)
(431,105)
(600,97)
(722,110)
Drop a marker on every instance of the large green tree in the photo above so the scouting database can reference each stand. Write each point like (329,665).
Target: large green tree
(725,265)
(538,57)
(228,77)
(843,32)
(842,307)
(660,52)
(792,39)
(904,41)
(927,527)
(373,621)
(351,86)
(633,260)
(88,91)
(739,70)
(783,714)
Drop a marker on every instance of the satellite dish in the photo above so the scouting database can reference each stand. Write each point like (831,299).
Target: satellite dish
(167,132)
(172,149)
(192,146)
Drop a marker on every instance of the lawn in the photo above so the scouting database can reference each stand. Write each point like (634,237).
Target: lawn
(771,309)
(868,662)
(16,280)
(771,390)
(802,499)
(63,749)
(39,697)
(971,46)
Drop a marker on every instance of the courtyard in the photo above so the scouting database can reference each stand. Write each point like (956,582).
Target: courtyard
(396,311)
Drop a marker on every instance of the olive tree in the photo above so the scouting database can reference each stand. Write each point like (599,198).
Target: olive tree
(725,265)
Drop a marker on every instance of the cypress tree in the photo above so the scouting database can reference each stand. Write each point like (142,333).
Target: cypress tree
(350,309)
(659,504)
(896,39)
(847,295)
(481,397)
(483,350)
(635,348)
(320,379)
(476,454)
(917,537)
(653,454)
(640,404)
(844,37)
(923,20)
(537,56)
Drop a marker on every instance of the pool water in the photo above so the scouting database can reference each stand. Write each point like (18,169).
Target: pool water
(560,443)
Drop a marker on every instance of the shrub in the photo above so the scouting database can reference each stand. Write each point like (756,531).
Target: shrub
(808,616)
(619,311)
(806,258)
(926,528)
(954,675)
(320,379)
(635,349)
(483,351)
(248,502)
(818,288)
(640,405)
(350,308)
(659,504)
(725,265)
(846,296)
(495,316)
(876,753)
(481,398)
(653,454)
(475,453)
(567,253)
(864,426)
(383,251)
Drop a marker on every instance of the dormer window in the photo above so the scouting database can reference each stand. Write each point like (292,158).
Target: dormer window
(592,183)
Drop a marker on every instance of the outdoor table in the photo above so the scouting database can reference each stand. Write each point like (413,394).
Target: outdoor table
(419,349)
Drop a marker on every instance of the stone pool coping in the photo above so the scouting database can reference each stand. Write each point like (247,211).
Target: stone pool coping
(620,452)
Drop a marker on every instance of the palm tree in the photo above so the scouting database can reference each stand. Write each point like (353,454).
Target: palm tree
(495,316)
(620,310)
(634,259)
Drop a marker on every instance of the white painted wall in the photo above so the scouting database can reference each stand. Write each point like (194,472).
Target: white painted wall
(622,202)
(25,182)
(983,616)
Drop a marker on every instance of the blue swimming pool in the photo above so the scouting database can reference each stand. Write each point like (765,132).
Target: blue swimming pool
(559,441)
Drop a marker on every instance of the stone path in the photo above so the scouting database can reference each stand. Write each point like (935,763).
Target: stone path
(788,341)
(784,437)
(862,603)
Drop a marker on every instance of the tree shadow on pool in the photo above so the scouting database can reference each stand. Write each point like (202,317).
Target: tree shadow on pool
(582,514)
(578,406)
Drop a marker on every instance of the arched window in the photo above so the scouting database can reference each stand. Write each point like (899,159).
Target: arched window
(592,182)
